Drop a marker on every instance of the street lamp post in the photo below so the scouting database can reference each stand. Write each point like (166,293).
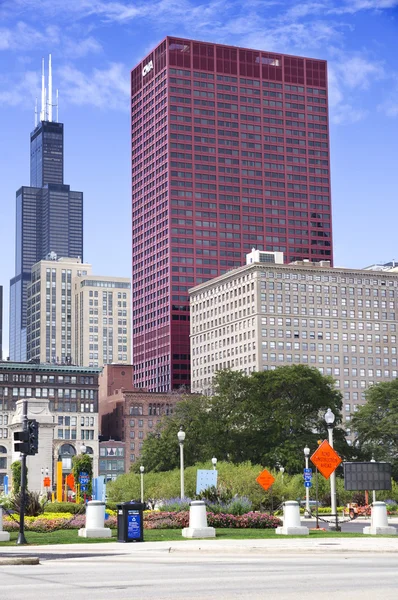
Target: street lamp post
(374,491)
(330,418)
(214,461)
(307,489)
(181,438)
(142,469)
(282,470)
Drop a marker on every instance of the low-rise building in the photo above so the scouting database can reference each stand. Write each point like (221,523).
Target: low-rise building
(263,315)
(64,400)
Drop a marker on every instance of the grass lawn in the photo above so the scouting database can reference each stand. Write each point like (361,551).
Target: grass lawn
(70,536)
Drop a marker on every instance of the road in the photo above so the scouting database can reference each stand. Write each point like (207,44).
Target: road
(180,576)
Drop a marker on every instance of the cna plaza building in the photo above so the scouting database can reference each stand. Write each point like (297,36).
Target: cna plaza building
(230,150)
(264,315)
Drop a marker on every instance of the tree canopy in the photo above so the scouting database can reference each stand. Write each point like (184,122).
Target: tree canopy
(266,418)
(376,424)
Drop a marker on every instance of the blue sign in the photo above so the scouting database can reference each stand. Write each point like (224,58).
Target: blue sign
(307,477)
(5,481)
(307,471)
(133,525)
(84,478)
(205,479)
(308,484)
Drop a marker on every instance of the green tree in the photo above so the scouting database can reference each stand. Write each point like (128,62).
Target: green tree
(161,449)
(266,418)
(376,424)
(16,469)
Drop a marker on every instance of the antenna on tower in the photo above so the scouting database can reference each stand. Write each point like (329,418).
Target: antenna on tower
(36,113)
(57,105)
(42,111)
(50,90)
(45,105)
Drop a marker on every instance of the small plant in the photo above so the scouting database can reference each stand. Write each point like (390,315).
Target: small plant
(34,504)
(174,504)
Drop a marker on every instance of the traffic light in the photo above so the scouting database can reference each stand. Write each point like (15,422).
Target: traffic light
(27,441)
(33,431)
(22,442)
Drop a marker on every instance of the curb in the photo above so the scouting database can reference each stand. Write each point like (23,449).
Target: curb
(20,560)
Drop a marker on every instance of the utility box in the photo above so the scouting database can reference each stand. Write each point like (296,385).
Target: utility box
(130,522)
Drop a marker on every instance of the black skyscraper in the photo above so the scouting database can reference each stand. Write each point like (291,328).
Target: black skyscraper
(49,218)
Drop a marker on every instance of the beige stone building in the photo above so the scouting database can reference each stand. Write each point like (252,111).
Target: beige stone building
(262,315)
(50,309)
(75,317)
(102,320)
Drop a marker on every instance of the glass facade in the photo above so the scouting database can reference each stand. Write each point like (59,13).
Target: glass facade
(49,218)
(230,151)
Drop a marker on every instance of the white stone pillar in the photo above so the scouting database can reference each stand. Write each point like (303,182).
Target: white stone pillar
(39,409)
(4,535)
(198,522)
(379,522)
(291,520)
(95,519)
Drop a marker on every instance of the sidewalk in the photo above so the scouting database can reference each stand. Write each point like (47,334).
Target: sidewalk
(280,544)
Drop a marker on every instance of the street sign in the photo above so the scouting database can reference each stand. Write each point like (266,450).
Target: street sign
(307,484)
(307,471)
(307,477)
(326,459)
(265,479)
(46,482)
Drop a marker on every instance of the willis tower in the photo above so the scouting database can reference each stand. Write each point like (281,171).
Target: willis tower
(49,215)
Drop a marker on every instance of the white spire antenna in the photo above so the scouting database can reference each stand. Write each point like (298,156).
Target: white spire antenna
(45,105)
(42,111)
(36,114)
(50,90)
(57,105)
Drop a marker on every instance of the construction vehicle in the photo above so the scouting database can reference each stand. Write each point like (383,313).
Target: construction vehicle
(353,510)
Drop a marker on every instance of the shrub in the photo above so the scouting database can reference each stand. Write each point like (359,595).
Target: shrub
(64,507)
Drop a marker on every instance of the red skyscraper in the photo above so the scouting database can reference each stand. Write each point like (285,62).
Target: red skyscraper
(230,151)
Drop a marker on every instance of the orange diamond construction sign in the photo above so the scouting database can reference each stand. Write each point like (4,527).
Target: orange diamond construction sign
(265,479)
(326,459)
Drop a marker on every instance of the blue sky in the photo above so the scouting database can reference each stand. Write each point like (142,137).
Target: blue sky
(95,43)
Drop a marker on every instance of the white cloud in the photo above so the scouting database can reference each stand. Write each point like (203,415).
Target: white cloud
(20,92)
(79,48)
(347,75)
(107,88)
(354,6)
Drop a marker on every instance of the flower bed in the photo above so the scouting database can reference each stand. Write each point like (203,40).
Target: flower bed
(175,520)
(49,522)
(152,520)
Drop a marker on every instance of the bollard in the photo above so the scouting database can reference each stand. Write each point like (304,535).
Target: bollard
(291,520)
(379,522)
(95,519)
(198,522)
(4,535)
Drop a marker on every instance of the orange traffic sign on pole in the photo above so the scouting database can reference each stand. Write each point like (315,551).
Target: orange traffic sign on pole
(265,479)
(326,459)
(46,482)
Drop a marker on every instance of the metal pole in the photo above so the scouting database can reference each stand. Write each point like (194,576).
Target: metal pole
(142,487)
(333,483)
(316,497)
(182,469)
(21,536)
(307,492)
